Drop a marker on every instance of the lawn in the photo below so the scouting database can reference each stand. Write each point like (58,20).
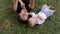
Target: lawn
(9,24)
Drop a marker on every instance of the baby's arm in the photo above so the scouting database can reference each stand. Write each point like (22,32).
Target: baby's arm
(41,15)
(32,14)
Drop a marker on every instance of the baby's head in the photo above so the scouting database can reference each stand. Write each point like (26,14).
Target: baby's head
(32,21)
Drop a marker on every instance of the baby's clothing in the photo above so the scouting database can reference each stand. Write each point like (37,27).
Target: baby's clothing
(44,13)
(39,21)
(46,10)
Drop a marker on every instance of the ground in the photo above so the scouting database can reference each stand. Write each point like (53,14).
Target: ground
(9,24)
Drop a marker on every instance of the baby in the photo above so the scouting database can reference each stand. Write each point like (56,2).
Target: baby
(41,16)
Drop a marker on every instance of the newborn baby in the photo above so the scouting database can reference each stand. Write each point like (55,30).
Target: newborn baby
(41,16)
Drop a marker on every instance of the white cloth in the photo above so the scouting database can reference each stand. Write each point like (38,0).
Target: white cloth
(33,14)
(39,21)
(45,9)
(44,13)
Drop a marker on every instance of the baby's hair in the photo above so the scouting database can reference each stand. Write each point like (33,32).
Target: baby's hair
(32,22)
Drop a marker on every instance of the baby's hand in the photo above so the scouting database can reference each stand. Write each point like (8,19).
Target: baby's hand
(32,13)
(40,17)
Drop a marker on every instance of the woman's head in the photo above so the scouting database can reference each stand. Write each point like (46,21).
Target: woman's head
(23,15)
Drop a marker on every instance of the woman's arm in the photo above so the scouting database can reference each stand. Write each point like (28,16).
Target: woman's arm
(15,3)
(32,4)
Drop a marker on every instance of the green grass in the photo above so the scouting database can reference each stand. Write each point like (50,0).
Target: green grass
(9,24)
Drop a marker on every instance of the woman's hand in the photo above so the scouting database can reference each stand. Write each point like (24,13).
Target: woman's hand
(22,4)
(32,4)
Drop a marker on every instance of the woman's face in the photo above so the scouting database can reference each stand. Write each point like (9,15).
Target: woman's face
(24,14)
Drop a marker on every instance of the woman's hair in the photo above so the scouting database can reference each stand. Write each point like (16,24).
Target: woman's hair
(19,18)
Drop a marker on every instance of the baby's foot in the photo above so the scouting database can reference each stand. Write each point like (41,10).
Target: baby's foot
(53,11)
(49,7)
(46,6)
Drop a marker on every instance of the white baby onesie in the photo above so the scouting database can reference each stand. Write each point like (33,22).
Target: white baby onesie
(39,21)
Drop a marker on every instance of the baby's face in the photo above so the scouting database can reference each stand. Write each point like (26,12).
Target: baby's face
(24,14)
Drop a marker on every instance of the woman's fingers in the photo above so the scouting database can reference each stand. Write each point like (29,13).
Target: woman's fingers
(22,5)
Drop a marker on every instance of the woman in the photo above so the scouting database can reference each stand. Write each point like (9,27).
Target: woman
(23,7)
